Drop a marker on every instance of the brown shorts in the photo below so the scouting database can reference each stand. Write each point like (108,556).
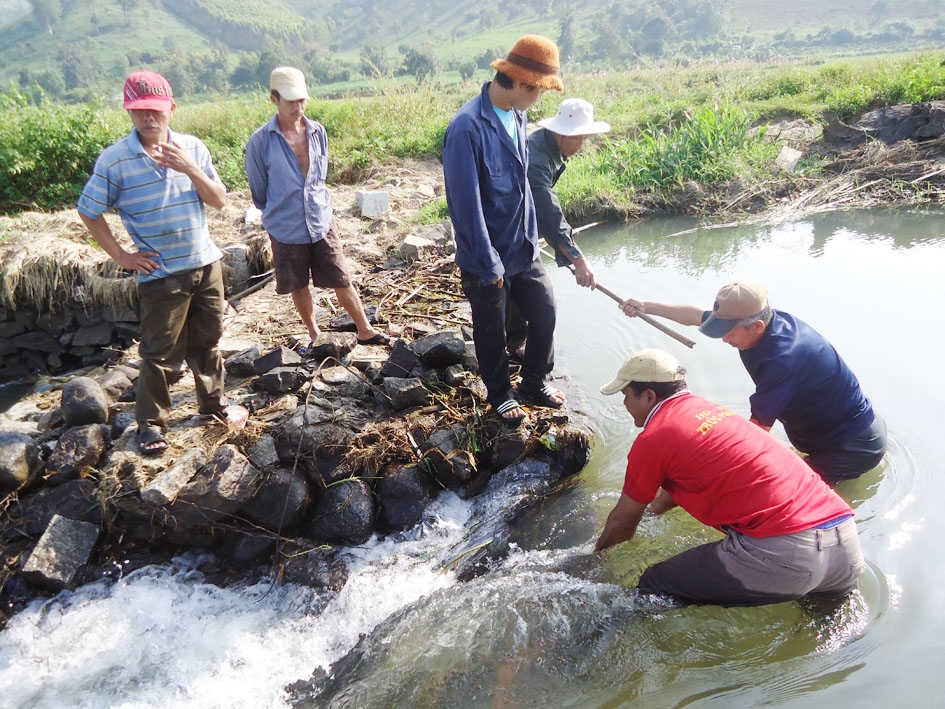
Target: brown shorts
(324,261)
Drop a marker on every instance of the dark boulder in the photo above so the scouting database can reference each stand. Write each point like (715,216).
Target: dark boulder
(344,514)
(84,401)
(78,450)
(404,495)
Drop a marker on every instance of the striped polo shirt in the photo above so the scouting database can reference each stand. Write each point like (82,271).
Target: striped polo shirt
(159,207)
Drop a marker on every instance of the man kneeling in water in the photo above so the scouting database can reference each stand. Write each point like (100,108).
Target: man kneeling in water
(787,534)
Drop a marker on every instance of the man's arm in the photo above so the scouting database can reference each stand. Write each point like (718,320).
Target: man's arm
(256,173)
(621,523)
(176,158)
(683,314)
(551,222)
(139,261)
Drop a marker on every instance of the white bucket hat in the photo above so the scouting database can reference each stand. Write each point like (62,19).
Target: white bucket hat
(575,117)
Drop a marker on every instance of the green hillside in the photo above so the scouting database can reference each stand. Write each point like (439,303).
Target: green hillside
(79,50)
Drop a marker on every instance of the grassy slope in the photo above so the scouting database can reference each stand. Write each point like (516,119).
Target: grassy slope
(110,40)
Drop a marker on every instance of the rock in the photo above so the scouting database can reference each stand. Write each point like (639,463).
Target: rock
(78,449)
(414,248)
(114,383)
(372,203)
(401,361)
(252,215)
(344,321)
(344,383)
(166,486)
(98,334)
(236,261)
(344,514)
(218,489)
(279,357)
(404,495)
(121,422)
(245,548)
(280,503)
(453,465)
(84,401)
(38,341)
(120,312)
(315,569)
(62,550)
(405,393)
(455,375)
(331,344)
(788,158)
(19,460)
(76,499)
(507,447)
(441,349)
(264,454)
(283,380)
(242,364)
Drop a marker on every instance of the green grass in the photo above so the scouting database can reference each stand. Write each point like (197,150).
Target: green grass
(671,126)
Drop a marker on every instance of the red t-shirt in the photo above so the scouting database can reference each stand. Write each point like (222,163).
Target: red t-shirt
(726,471)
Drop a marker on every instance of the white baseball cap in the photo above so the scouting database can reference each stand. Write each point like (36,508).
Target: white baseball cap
(289,82)
(646,367)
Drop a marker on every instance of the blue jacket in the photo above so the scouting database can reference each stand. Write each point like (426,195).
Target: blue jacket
(487,192)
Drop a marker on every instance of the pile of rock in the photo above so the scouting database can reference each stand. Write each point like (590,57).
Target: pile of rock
(349,442)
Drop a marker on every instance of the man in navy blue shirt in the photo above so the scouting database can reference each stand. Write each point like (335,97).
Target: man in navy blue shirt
(800,380)
(485,164)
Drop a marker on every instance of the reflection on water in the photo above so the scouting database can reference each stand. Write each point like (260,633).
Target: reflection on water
(556,625)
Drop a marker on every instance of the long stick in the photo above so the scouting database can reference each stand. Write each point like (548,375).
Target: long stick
(643,316)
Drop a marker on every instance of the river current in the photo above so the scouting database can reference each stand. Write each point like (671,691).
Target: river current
(555,625)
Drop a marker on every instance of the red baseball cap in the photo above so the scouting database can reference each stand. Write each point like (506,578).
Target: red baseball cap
(149,91)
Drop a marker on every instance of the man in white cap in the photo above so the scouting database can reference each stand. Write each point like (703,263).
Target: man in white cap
(159,182)
(558,139)
(800,380)
(787,534)
(287,162)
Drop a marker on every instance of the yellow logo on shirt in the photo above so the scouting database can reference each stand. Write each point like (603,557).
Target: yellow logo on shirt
(711,417)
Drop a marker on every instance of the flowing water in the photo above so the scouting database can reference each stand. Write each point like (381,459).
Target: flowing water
(555,626)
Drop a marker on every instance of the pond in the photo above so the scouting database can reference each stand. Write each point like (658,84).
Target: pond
(555,625)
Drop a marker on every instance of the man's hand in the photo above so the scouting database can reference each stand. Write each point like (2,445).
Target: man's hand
(144,262)
(501,282)
(584,274)
(632,307)
(175,158)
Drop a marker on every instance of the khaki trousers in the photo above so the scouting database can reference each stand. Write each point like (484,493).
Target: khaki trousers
(181,319)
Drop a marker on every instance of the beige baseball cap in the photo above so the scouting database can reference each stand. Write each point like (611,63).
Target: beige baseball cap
(734,301)
(646,366)
(289,82)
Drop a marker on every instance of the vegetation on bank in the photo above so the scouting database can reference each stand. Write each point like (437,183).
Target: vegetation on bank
(671,126)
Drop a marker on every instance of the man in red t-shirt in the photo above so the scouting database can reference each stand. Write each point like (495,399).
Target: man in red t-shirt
(787,533)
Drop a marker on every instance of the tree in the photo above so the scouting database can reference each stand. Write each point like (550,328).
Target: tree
(46,12)
(126,7)
(566,35)
(420,64)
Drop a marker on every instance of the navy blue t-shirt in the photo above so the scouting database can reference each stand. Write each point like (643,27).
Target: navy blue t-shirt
(801,381)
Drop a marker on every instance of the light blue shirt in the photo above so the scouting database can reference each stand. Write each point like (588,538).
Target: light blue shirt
(296,208)
(159,207)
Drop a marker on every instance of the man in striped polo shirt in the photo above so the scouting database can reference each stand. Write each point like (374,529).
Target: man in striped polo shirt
(159,182)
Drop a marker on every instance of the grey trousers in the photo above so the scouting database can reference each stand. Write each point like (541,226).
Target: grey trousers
(181,319)
(745,571)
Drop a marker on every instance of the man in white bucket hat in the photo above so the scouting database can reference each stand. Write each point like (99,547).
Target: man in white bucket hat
(550,146)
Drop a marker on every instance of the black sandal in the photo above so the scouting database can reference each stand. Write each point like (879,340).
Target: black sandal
(151,441)
(540,395)
(510,405)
